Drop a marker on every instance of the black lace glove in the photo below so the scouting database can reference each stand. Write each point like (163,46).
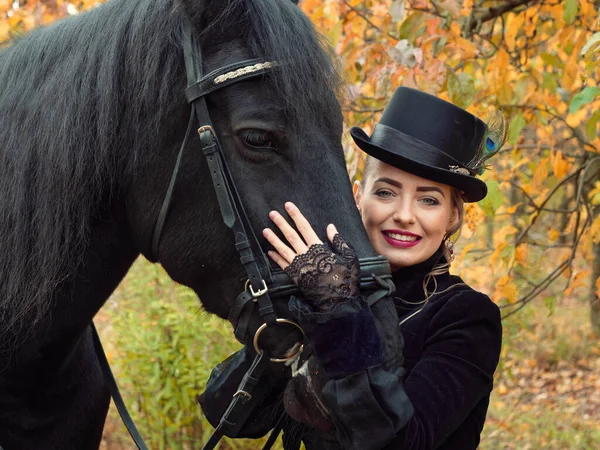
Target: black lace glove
(327,276)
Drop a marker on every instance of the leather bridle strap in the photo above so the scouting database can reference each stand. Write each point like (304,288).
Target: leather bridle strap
(109,378)
(251,255)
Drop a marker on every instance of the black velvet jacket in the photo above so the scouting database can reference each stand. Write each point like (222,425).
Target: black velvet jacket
(451,350)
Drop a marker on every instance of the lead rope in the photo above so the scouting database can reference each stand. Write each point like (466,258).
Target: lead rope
(115,393)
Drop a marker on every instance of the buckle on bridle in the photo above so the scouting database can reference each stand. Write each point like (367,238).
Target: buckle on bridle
(244,393)
(204,128)
(258,293)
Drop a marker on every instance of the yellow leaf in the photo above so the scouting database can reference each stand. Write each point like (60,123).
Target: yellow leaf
(553,235)
(502,281)
(595,191)
(474,215)
(578,280)
(467,248)
(467,7)
(513,208)
(598,287)
(510,292)
(570,73)
(466,49)
(496,254)
(513,25)
(504,232)
(541,172)
(521,254)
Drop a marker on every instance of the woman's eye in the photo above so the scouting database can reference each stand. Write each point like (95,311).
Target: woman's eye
(258,140)
(430,201)
(383,193)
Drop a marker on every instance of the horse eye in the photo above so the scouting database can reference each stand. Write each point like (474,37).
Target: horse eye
(259,140)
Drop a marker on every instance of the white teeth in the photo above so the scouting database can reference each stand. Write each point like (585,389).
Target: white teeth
(402,237)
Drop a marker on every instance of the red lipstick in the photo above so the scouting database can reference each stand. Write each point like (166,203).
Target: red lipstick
(400,243)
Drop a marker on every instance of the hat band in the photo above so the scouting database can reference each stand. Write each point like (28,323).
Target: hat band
(412,148)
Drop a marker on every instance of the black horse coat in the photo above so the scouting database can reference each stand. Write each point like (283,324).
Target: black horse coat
(451,350)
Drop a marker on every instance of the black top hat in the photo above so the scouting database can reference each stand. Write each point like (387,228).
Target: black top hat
(433,139)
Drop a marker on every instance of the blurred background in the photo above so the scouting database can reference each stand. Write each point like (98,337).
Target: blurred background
(533,245)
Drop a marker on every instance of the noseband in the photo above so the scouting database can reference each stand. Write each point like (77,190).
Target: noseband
(263,283)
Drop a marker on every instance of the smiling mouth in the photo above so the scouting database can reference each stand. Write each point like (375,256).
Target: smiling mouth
(401,237)
(401,240)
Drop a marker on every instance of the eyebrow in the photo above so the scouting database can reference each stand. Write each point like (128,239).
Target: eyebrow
(399,185)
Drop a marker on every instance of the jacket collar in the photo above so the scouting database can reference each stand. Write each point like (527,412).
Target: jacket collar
(409,281)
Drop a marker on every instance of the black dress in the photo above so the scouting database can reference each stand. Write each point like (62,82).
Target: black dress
(437,400)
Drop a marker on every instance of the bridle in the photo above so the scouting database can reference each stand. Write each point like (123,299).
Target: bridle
(263,283)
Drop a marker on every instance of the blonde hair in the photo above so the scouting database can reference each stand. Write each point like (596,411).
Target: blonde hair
(452,235)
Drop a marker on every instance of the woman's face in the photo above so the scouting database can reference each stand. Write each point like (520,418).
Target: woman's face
(406,216)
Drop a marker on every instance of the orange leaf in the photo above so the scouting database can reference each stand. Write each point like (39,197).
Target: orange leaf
(578,280)
(541,172)
(553,235)
(513,208)
(570,74)
(521,254)
(560,166)
(496,254)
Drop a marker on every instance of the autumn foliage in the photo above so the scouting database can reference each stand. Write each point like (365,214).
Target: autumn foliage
(536,237)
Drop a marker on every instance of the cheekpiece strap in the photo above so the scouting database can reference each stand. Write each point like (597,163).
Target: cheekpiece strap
(232,209)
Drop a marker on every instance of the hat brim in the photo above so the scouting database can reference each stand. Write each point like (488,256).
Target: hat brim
(474,188)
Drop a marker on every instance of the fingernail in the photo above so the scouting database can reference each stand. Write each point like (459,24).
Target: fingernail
(266,232)
(289,206)
(271,254)
(272,214)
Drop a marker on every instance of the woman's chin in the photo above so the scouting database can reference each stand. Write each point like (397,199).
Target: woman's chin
(300,404)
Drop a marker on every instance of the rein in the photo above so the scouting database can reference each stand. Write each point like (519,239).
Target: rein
(263,283)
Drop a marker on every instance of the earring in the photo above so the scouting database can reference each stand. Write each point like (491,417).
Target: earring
(449,249)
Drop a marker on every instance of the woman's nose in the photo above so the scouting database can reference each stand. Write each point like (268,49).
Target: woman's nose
(405,213)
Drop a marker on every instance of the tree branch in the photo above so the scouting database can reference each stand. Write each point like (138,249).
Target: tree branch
(492,13)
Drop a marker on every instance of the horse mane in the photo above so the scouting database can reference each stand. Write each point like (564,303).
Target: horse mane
(81,103)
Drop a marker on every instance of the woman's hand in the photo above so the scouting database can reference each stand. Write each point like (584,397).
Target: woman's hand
(327,275)
(284,255)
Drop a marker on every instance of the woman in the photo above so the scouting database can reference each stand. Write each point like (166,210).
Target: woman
(424,156)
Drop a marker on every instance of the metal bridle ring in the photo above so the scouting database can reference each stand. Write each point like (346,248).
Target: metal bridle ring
(263,327)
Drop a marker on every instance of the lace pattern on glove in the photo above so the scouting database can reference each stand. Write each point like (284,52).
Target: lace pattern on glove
(327,276)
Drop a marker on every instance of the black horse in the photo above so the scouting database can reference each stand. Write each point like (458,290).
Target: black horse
(92,114)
